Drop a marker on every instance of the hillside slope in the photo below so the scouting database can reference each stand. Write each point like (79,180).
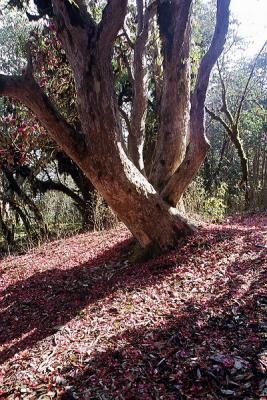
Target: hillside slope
(77,321)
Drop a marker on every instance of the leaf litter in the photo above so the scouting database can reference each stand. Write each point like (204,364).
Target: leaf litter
(78,321)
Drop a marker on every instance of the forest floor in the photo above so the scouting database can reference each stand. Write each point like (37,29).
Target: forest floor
(77,321)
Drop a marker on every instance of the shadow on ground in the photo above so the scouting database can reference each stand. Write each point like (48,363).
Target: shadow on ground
(173,361)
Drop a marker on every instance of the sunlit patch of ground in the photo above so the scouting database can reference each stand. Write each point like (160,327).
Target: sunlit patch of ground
(77,321)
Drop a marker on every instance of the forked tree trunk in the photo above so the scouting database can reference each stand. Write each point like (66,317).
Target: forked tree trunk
(99,150)
(122,185)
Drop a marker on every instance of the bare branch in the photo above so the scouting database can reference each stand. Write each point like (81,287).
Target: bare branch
(47,185)
(234,136)
(213,53)
(239,109)
(224,99)
(222,152)
(219,119)
(157,68)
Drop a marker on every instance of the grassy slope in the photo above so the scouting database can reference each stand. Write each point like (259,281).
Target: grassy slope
(77,321)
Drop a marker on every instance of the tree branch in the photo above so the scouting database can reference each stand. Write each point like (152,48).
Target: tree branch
(239,109)
(24,197)
(175,31)
(128,39)
(44,186)
(139,106)
(234,136)
(75,28)
(219,119)
(224,99)
(140,15)
(198,145)
(212,55)
(126,119)
(112,21)
(27,90)
(223,149)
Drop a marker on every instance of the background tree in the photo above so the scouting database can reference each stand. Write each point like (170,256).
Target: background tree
(236,105)
(231,118)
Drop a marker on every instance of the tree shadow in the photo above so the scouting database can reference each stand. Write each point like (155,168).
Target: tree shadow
(39,306)
(203,354)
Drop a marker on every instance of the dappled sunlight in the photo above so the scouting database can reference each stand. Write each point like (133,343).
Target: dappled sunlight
(85,321)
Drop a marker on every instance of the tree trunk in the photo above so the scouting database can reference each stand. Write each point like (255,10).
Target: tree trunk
(42,228)
(136,138)
(8,233)
(175,99)
(23,217)
(99,149)
(242,157)
(121,184)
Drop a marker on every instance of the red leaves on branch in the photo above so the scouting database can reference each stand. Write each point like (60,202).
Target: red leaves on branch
(78,321)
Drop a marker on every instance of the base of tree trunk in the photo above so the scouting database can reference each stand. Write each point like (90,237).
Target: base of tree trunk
(139,254)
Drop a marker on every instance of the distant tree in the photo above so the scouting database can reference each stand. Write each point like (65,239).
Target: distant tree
(237,110)
(229,115)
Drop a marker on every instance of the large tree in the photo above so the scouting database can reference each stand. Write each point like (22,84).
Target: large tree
(146,204)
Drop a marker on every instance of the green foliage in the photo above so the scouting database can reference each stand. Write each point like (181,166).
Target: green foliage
(54,73)
(14,33)
(102,215)
(203,16)
(214,207)
(198,201)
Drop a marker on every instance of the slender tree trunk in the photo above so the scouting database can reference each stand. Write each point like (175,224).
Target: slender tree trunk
(242,157)
(264,177)
(42,228)
(136,138)
(234,135)
(8,233)
(23,217)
